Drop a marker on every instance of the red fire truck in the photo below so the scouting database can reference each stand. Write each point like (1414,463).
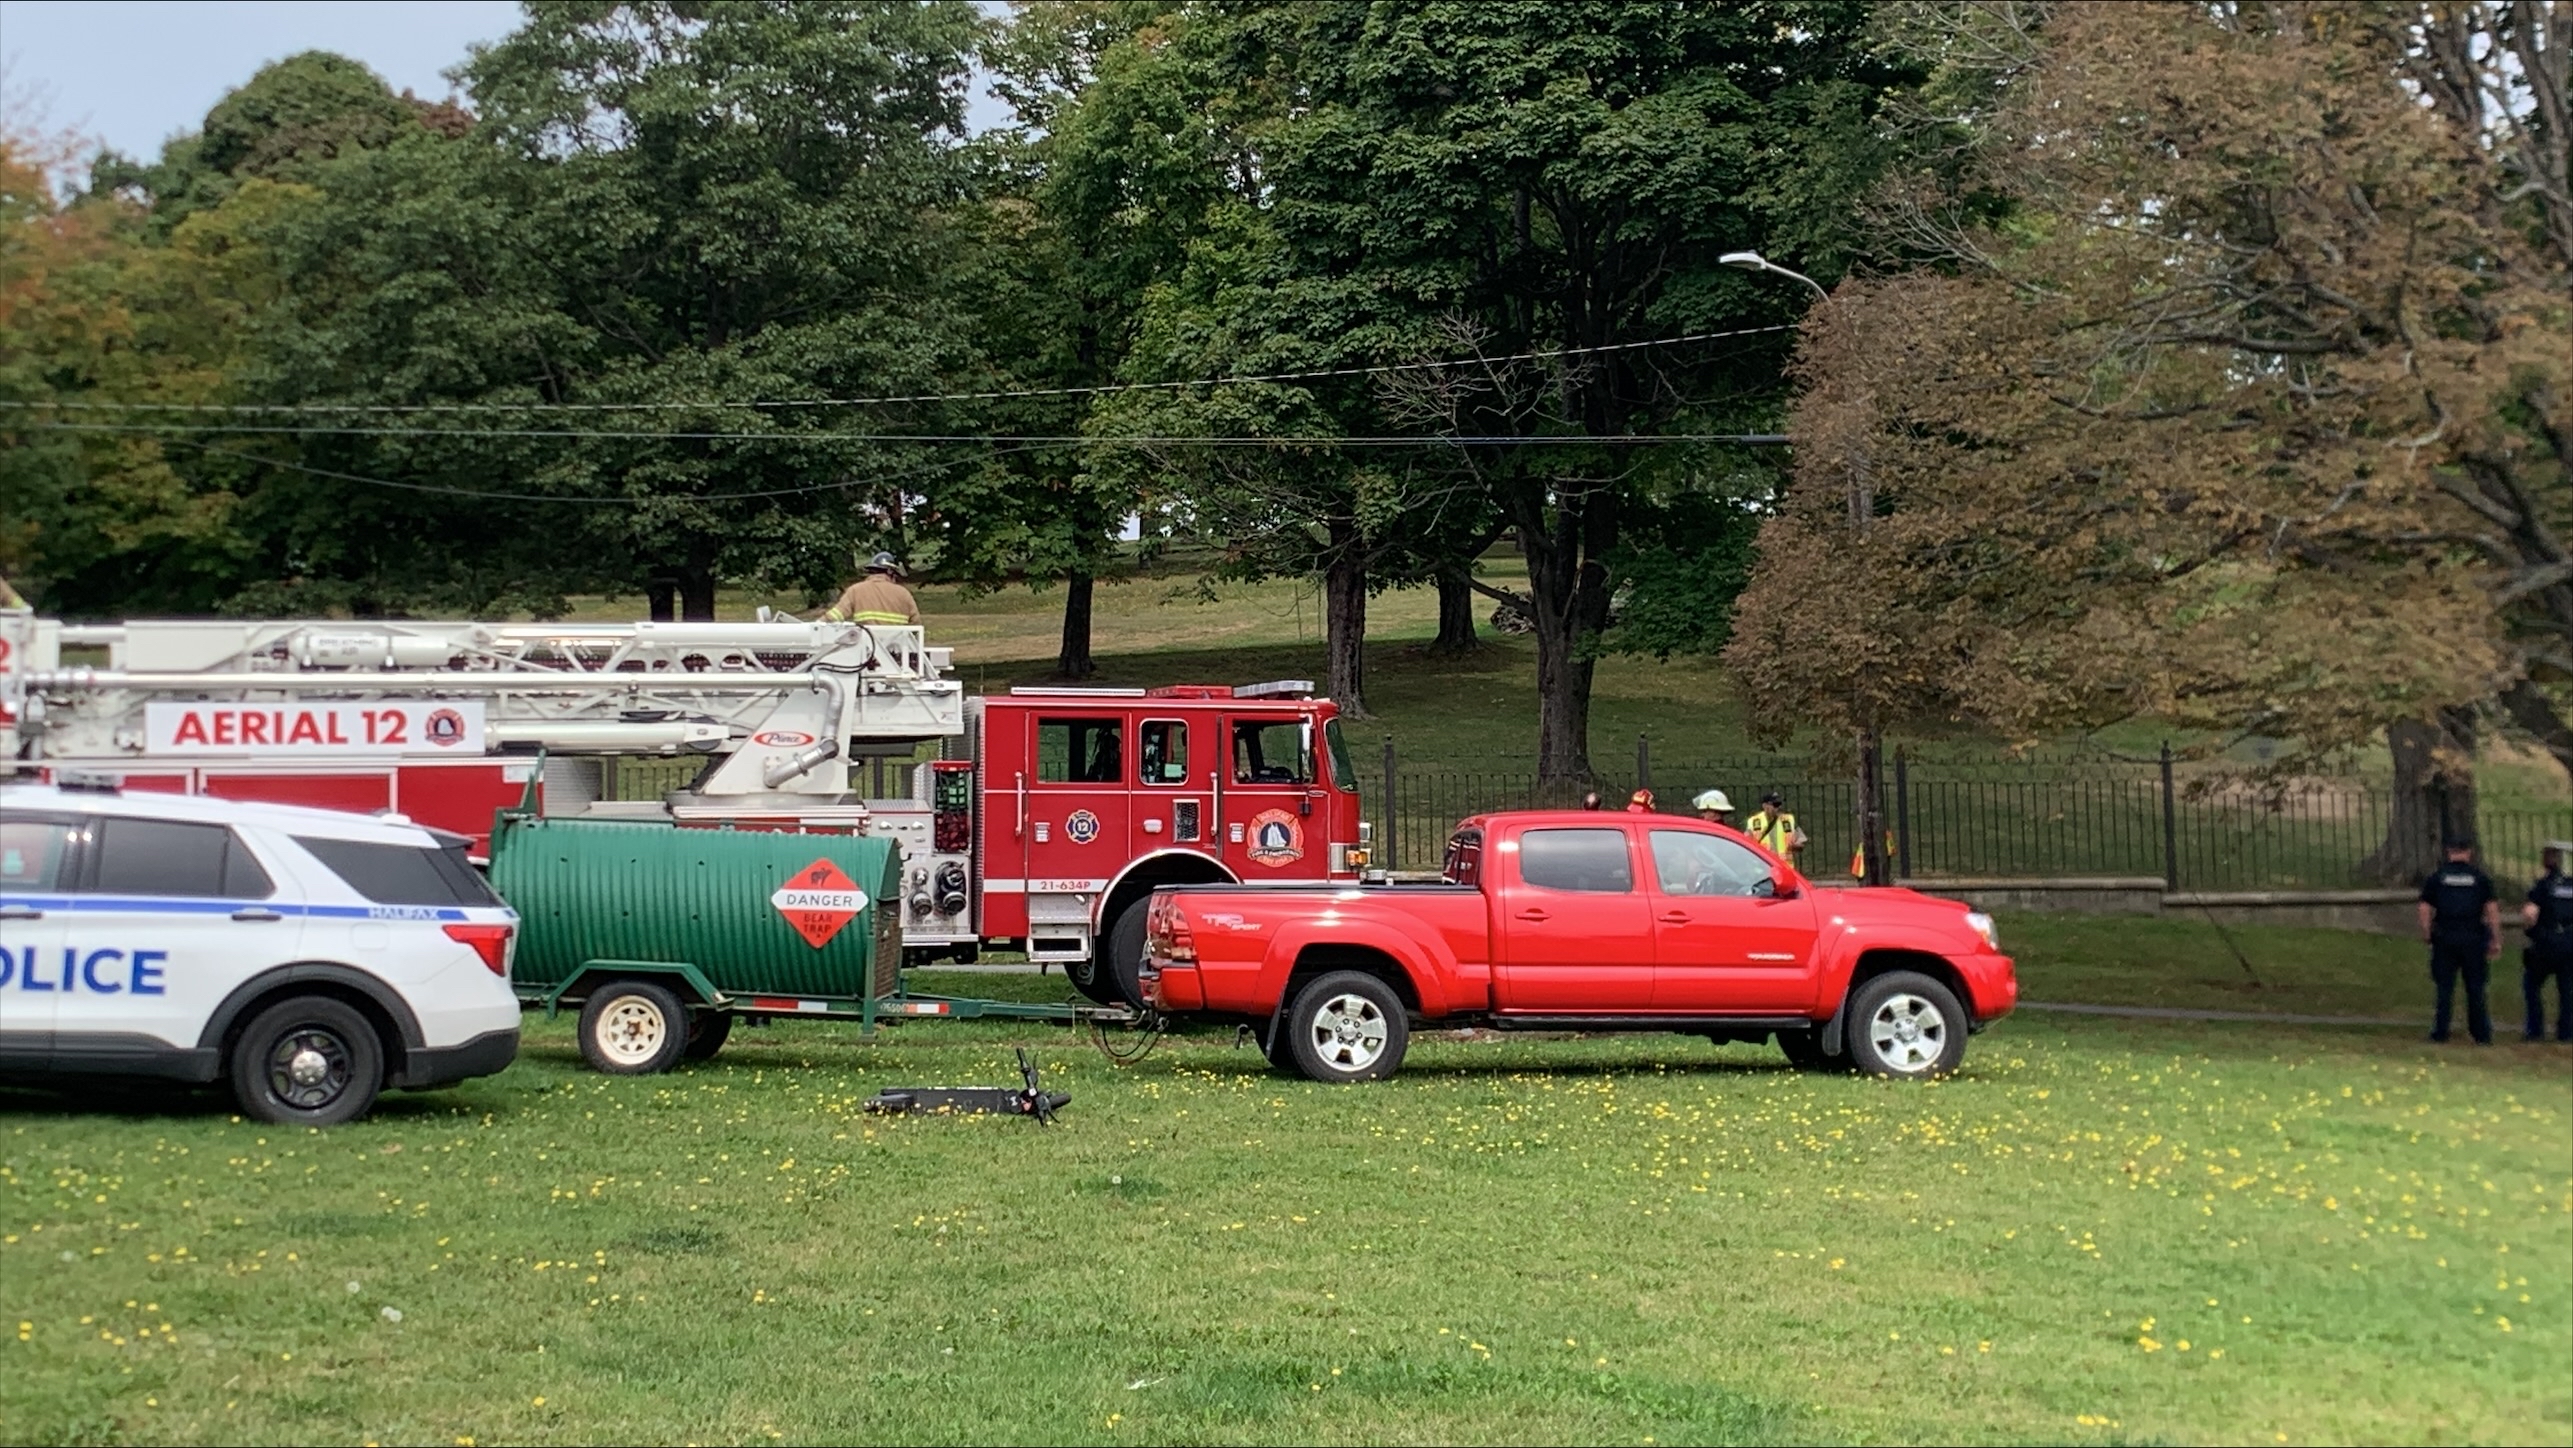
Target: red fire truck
(1040,820)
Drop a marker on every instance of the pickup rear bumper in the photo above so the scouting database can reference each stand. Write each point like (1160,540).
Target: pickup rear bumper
(1171,986)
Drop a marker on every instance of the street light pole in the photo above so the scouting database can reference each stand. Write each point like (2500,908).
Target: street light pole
(1862,513)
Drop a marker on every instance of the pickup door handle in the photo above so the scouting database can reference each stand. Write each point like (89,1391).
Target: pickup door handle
(20,912)
(1534,914)
(255,912)
(1675,917)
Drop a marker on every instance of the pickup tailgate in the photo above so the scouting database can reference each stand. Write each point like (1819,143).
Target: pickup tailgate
(1229,950)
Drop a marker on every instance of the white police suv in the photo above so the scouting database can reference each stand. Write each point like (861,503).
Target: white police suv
(309,957)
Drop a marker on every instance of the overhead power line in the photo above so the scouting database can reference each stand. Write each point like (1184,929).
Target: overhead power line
(994,395)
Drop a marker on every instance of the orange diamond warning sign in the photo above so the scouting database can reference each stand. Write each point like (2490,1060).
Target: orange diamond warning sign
(818,900)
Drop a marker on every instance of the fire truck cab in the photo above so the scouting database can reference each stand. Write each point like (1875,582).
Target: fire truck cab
(1044,821)
(1091,798)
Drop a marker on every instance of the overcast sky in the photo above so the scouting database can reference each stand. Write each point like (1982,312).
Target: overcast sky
(133,73)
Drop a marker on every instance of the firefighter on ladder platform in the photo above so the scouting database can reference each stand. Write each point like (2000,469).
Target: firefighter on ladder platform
(877,598)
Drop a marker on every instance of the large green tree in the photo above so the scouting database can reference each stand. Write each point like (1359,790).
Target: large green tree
(1539,178)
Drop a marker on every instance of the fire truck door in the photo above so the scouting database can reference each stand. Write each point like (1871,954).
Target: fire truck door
(1078,813)
(1173,807)
(1273,827)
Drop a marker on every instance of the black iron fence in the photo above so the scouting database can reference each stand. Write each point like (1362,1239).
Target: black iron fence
(2038,819)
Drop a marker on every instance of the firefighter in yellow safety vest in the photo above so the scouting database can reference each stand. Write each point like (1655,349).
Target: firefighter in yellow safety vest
(876,598)
(1774,828)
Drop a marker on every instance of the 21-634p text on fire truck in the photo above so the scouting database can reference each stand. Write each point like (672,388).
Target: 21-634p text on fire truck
(1039,819)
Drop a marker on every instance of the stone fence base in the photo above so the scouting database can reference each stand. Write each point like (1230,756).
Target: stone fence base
(2385,912)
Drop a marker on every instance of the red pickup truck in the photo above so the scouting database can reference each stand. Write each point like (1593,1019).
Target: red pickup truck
(1577,921)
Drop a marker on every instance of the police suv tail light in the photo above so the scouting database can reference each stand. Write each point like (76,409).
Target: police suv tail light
(491,942)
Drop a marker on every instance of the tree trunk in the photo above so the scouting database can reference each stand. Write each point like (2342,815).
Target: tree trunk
(1455,611)
(1344,619)
(697,595)
(661,591)
(2434,795)
(1073,660)
(2531,710)
(1568,586)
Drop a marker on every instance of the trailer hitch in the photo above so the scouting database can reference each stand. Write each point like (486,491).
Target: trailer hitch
(1030,1099)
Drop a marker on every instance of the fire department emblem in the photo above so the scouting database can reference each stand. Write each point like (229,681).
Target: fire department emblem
(1081,827)
(1276,838)
(444,728)
(818,900)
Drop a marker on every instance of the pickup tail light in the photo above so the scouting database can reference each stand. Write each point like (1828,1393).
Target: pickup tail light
(491,942)
(1167,930)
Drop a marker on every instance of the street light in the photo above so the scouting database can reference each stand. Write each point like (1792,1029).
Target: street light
(1862,508)
(1754,261)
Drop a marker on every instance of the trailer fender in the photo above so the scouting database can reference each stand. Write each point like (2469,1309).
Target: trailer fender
(679,975)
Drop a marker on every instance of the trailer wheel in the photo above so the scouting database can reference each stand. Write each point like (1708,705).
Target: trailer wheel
(308,1061)
(632,1028)
(707,1032)
(1347,1026)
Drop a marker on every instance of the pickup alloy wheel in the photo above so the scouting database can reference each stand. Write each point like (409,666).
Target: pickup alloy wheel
(1347,1026)
(1903,1024)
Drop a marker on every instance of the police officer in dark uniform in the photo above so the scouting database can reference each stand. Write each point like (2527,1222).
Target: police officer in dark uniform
(2549,955)
(2461,917)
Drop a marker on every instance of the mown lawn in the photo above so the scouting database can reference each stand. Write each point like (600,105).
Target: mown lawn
(2103,1231)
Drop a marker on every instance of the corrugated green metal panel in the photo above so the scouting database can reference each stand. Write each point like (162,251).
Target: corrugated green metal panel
(615,890)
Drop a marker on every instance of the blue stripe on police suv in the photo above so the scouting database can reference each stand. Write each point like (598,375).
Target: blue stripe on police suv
(107,971)
(144,905)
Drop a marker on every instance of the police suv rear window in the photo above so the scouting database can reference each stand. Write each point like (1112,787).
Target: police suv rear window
(31,852)
(402,874)
(171,857)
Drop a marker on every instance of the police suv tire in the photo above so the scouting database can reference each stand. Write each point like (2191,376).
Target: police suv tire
(633,1028)
(1346,1026)
(307,1061)
(707,1032)
(1905,1025)
(1805,1051)
(1122,972)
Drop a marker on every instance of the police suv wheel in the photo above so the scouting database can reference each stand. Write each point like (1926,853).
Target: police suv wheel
(1347,1026)
(309,1061)
(1902,1024)
(633,1028)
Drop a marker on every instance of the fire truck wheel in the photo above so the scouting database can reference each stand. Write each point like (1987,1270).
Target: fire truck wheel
(707,1032)
(1122,971)
(1092,979)
(1347,1026)
(309,1061)
(1805,1052)
(632,1028)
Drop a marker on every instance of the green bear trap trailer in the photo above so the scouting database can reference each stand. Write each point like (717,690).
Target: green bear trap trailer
(665,934)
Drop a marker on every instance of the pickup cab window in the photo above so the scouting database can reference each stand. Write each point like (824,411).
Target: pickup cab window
(1687,863)
(1591,861)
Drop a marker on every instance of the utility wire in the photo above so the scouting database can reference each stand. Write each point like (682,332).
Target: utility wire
(1013,440)
(999,395)
(495,495)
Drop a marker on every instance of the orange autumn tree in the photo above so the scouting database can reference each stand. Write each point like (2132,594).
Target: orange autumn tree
(2237,394)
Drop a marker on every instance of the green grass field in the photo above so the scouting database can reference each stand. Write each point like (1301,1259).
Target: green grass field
(2103,1231)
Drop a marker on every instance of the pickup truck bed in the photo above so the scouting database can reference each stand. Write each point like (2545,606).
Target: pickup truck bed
(1553,920)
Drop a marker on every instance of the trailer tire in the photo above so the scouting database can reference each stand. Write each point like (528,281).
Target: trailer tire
(307,1061)
(1122,973)
(707,1032)
(1347,1026)
(632,1028)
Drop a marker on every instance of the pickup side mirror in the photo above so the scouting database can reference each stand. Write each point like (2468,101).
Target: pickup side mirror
(1781,886)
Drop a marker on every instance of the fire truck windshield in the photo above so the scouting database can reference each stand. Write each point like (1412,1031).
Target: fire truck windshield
(1343,773)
